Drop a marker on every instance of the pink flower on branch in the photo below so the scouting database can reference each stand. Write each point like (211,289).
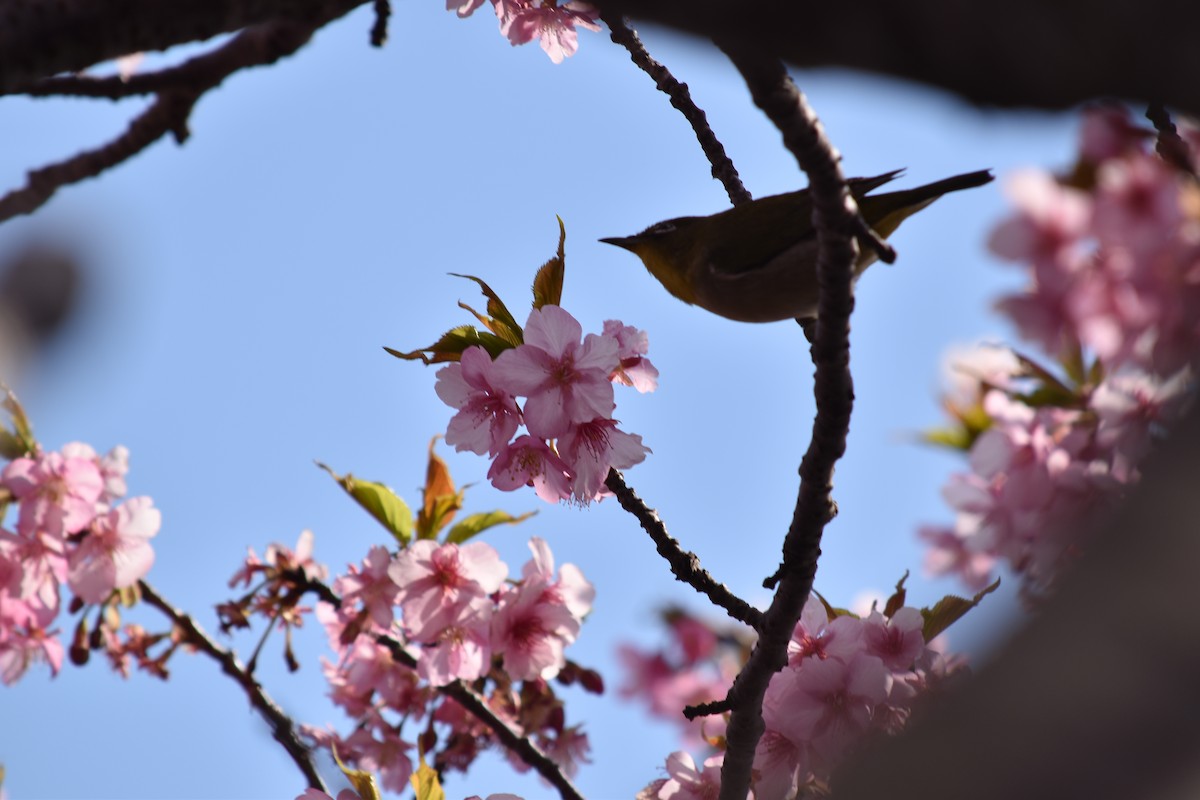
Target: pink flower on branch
(57,494)
(591,449)
(525,20)
(530,462)
(488,415)
(438,583)
(566,382)
(116,552)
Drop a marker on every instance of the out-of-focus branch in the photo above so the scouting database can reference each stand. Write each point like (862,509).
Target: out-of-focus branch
(685,565)
(39,39)
(282,727)
(722,168)
(1019,53)
(1097,696)
(178,90)
(835,220)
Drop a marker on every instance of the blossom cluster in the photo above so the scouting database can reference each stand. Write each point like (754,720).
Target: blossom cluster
(1113,251)
(846,677)
(70,529)
(553,25)
(572,439)
(461,618)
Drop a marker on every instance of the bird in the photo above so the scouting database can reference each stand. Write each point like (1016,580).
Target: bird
(757,261)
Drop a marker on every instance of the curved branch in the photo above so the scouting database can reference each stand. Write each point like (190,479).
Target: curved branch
(178,90)
(834,218)
(685,566)
(282,727)
(37,40)
(722,168)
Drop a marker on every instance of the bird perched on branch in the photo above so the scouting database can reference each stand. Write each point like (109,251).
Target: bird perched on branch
(757,262)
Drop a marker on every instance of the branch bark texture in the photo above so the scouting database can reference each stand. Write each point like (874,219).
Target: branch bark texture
(835,218)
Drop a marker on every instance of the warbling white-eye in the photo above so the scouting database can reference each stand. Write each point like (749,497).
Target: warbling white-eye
(757,262)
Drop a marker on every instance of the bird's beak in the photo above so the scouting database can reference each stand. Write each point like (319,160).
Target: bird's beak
(626,242)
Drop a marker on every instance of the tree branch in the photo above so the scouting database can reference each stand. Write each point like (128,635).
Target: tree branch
(468,698)
(178,90)
(282,727)
(685,566)
(834,218)
(38,39)
(722,168)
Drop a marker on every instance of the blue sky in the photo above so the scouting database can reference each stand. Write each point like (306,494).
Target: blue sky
(240,290)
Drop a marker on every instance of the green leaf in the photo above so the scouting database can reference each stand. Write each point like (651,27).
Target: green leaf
(478,523)
(380,502)
(955,438)
(548,282)
(500,320)
(452,344)
(949,610)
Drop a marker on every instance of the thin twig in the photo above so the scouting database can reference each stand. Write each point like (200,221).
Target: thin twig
(178,89)
(1171,148)
(722,168)
(379,30)
(468,698)
(834,218)
(282,727)
(684,565)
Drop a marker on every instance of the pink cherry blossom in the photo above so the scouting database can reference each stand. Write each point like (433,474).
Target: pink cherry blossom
(19,650)
(634,368)
(462,650)
(591,449)
(464,8)
(686,781)
(116,552)
(525,20)
(565,382)
(570,589)
(438,582)
(57,494)
(831,703)
(531,630)
(317,794)
(815,636)
(488,416)
(530,462)
(371,586)
(284,558)
(897,641)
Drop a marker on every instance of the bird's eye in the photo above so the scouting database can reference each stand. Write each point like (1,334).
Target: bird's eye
(661,227)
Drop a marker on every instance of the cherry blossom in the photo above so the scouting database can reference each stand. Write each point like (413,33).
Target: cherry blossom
(591,449)
(634,369)
(57,494)
(531,629)
(565,382)
(116,552)
(438,583)
(488,415)
(525,20)
(530,462)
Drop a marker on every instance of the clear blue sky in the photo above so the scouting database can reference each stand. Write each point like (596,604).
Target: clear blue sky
(240,290)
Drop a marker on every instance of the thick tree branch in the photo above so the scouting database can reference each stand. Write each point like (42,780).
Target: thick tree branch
(282,727)
(685,566)
(835,220)
(1019,53)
